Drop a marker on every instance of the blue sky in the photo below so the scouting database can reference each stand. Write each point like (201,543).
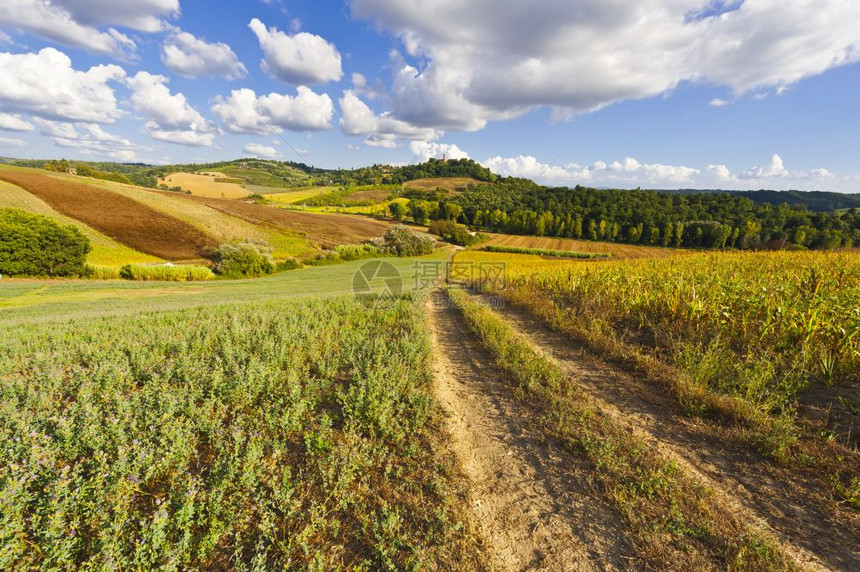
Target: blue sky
(660,94)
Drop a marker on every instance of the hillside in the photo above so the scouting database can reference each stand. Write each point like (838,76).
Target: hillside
(131,224)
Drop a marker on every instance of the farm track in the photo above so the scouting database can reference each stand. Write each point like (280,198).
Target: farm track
(533,503)
(792,503)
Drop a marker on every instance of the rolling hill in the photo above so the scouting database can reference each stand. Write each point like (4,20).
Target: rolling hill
(129,224)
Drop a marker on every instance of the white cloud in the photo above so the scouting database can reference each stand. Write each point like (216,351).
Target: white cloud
(529,167)
(489,59)
(626,173)
(244,112)
(192,57)
(721,172)
(77,22)
(300,59)
(89,139)
(717,102)
(171,117)
(261,151)
(46,84)
(772,175)
(381,130)
(775,168)
(14,123)
(424,151)
(143,15)
(5,142)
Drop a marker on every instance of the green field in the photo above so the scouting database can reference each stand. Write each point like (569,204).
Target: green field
(25,301)
(263,435)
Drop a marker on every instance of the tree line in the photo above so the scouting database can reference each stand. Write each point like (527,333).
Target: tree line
(701,220)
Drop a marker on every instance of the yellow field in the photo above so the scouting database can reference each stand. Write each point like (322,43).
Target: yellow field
(221,226)
(615,249)
(298,195)
(105,250)
(450,183)
(204,185)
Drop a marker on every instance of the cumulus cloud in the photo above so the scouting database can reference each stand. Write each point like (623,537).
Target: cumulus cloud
(171,117)
(244,112)
(717,102)
(486,59)
(300,59)
(261,151)
(628,172)
(8,143)
(89,139)
(78,23)
(45,84)
(380,130)
(14,123)
(424,151)
(189,56)
(774,174)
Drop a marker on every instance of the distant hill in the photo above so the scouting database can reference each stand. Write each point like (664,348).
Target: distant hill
(818,201)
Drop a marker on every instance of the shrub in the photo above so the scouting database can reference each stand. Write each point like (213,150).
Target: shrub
(35,245)
(243,259)
(455,233)
(356,251)
(400,240)
(288,264)
(325,258)
(165,272)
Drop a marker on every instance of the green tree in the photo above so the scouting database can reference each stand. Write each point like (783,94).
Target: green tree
(35,245)
(397,210)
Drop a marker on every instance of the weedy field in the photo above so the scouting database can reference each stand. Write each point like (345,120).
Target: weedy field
(255,436)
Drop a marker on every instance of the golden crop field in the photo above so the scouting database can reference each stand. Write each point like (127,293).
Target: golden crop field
(617,250)
(448,183)
(204,185)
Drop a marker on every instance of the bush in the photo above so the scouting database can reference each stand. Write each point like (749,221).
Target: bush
(288,264)
(324,258)
(400,240)
(243,260)
(35,245)
(455,233)
(356,251)
(165,272)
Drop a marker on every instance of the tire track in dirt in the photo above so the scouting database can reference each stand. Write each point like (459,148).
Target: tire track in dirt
(791,503)
(533,504)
